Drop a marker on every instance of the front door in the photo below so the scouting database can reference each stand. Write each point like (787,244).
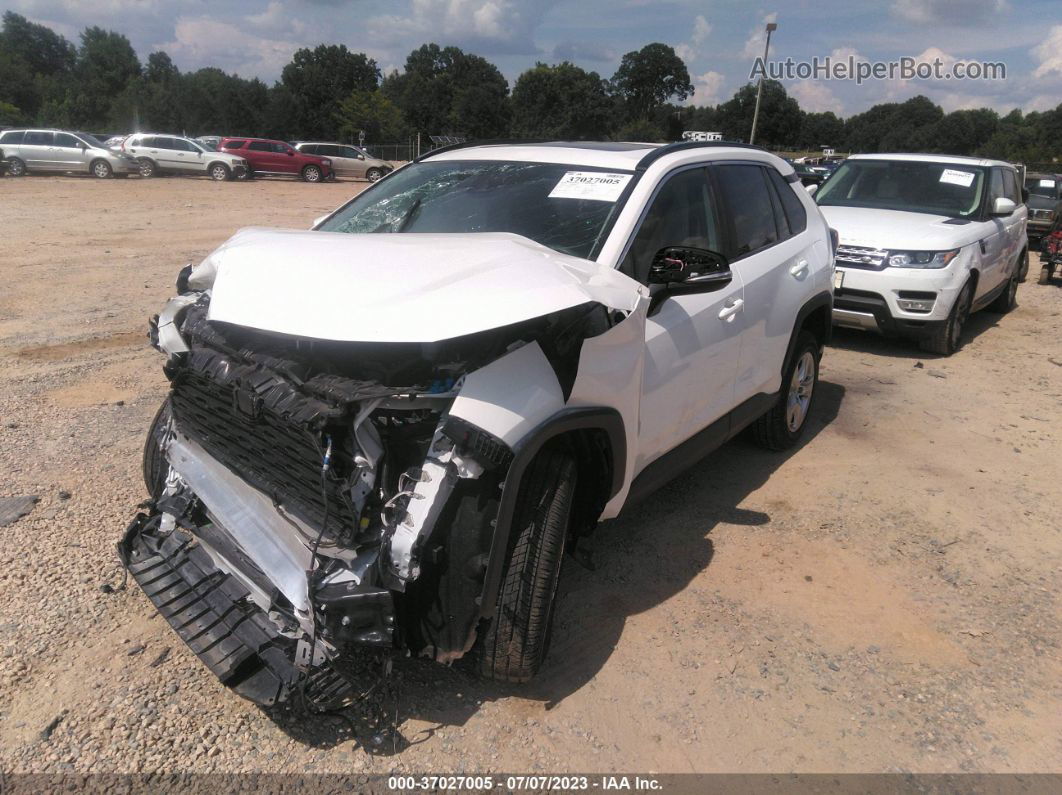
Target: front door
(692,341)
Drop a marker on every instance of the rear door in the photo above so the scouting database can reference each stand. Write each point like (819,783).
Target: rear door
(263,156)
(36,150)
(770,247)
(692,341)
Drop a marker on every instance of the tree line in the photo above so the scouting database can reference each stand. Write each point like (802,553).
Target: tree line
(331,93)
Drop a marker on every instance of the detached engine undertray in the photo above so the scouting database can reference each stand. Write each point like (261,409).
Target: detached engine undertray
(210,611)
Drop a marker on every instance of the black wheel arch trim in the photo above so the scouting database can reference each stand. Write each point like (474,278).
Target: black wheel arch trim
(818,301)
(577,418)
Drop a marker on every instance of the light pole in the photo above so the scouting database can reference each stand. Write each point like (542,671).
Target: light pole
(771,26)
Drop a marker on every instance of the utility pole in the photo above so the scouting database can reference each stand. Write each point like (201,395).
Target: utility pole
(771,26)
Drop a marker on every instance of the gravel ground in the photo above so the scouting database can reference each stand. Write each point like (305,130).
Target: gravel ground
(883,598)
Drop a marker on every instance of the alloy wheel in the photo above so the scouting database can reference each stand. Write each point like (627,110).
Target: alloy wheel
(801,386)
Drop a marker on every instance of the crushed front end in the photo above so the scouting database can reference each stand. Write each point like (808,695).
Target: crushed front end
(315,506)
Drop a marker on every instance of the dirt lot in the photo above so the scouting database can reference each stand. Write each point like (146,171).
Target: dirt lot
(884,598)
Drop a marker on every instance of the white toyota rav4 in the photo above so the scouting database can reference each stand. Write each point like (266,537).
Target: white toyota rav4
(924,241)
(379,441)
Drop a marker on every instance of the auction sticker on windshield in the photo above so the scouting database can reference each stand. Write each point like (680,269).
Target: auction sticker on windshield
(591,185)
(953,177)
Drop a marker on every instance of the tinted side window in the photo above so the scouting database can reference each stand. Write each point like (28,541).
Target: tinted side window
(164,143)
(235,144)
(995,189)
(309,149)
(682,214)
(280,149)
(1010,186)
(349,151)
(260,146)
(13,138)
(795,214)
(743,190)
(38,138)
(66,140)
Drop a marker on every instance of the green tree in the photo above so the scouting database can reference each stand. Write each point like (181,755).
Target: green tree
(317,79)
(43,50)
(372,113)
(444,91)
(821,129)
(106,64)
(561,101)
(779,121)
(649,77)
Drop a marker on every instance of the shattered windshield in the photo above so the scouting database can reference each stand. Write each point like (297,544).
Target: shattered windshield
(914,186)
(564,207)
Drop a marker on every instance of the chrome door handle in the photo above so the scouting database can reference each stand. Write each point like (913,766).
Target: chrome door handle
(800,269)
(728,312)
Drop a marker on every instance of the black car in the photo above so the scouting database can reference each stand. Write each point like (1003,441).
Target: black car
(1044,202)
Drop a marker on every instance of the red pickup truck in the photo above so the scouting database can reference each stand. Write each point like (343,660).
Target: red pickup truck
(265,156)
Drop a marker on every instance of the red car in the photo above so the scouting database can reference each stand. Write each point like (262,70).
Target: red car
(265,156)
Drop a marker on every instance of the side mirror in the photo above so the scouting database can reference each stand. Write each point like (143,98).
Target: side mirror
(811,189)
(1003,206)
(291,153)
(687,269)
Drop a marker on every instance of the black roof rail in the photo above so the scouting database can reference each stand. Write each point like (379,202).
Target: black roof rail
(681,146)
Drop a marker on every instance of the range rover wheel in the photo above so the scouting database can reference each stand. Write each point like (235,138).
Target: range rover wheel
(101,169)
(373,174)
(516,640)
(155,466)
(946,338)
(311,174)
(1008,299)
(219,172)
(782,426)
(16,167)
(147,167)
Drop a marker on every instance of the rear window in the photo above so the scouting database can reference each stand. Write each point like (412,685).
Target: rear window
(12,137)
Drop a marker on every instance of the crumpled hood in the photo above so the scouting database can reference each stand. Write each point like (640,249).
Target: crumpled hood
(397,287)
(899,230)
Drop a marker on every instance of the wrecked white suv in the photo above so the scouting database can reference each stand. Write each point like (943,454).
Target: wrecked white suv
(381,442)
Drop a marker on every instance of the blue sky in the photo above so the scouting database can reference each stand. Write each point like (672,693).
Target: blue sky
(718,39)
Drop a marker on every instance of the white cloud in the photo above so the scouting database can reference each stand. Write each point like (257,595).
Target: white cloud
(815,96)
(701,29)
(950,12)
(1049,53)
(690,51)
(491,26)
(757,38)
(200,41)
(707,89)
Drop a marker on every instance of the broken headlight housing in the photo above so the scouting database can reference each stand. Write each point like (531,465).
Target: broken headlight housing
(922,259)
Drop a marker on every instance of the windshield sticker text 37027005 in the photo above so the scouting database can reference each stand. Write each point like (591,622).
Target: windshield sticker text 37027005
(592,185)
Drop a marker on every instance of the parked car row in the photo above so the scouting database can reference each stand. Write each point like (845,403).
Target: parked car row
(151,154)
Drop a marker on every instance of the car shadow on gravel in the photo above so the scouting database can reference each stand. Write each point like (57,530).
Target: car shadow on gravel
(640,561)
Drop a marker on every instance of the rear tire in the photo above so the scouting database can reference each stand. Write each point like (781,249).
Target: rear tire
(101,169)
(517,638)
(154,464)
(147,167)
(16,167)
(311,174)
(946,338)
(783,425)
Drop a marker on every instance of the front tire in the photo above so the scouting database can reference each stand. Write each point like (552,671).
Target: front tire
(517,638)
(311,174)
(373,174)
(219,172)
(155,467)
(16,167)
(946,338)
(101,169)
(783,425)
